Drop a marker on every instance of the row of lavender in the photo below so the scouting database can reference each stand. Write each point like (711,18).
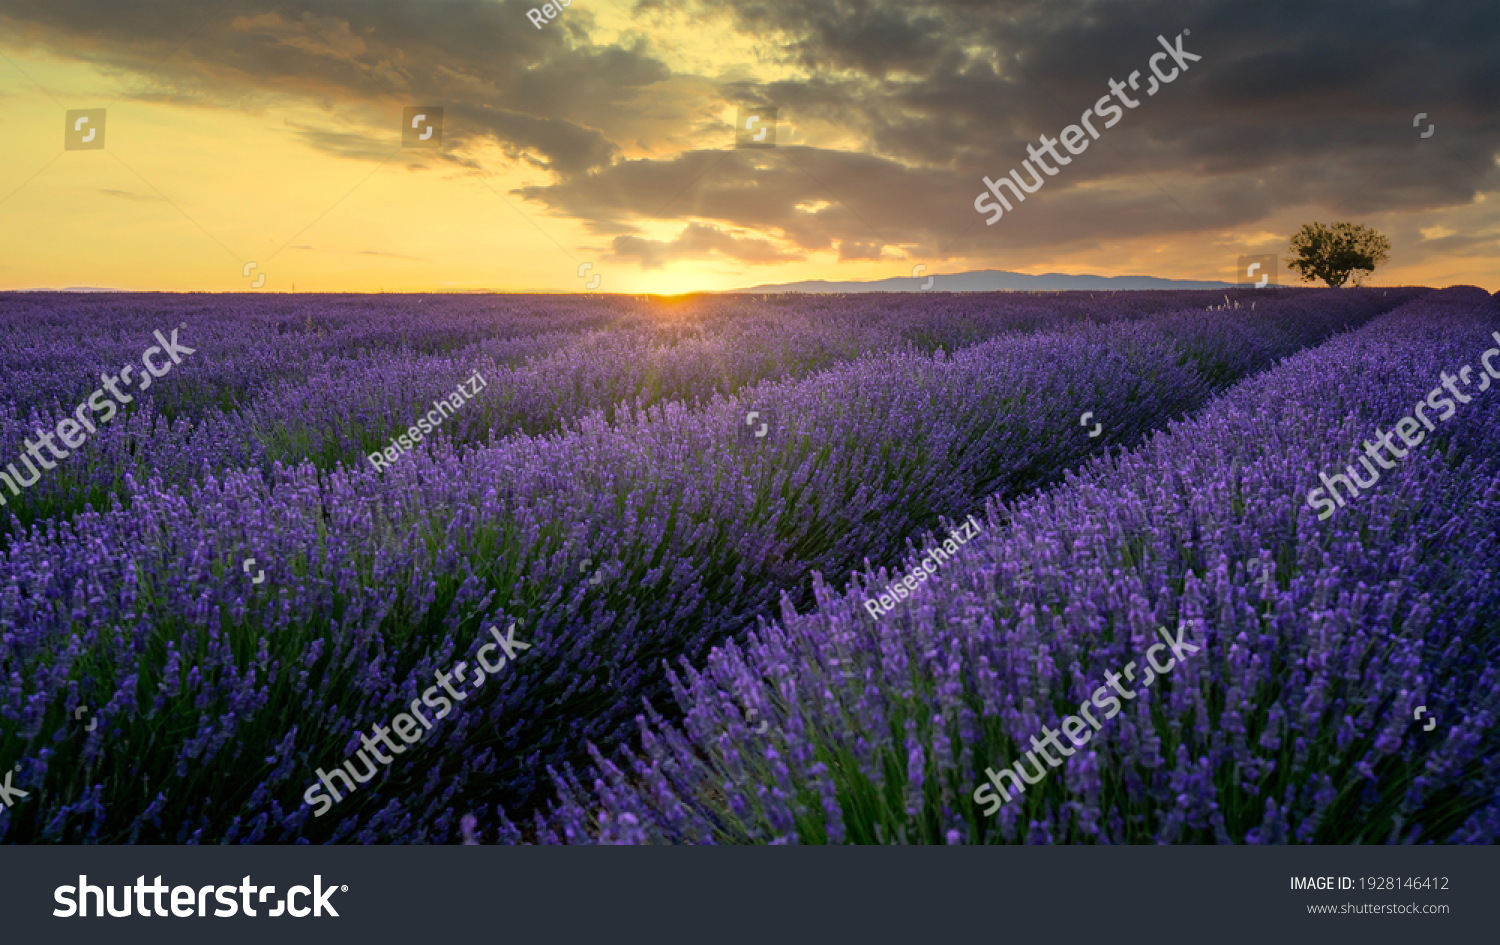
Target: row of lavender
(53,342)
(331,379)
(1295,722)
(215,698)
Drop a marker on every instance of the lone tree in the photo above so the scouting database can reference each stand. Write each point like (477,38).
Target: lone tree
(1334,253)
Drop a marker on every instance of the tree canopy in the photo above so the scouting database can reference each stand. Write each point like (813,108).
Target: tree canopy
(1337,252)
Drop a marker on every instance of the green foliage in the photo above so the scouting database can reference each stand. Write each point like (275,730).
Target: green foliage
(1337,252)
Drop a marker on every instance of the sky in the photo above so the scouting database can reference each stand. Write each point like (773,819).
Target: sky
(258,145)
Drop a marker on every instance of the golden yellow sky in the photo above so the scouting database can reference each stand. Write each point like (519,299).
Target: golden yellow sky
(275,139)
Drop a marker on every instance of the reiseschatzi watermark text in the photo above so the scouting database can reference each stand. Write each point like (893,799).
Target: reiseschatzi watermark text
(902,588)
(547,12)
(443,408)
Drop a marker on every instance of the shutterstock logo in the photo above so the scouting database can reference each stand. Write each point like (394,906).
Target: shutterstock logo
(85,130)
(422,127)
(1258,271)
(755,128)
(184,899)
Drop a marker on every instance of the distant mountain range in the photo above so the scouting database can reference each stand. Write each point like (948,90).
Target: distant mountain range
(991,280)
(983,280)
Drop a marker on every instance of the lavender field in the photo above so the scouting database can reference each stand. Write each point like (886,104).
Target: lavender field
(682,506)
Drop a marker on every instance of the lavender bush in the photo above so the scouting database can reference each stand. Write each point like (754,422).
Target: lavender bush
(1294,724)
(330,379)
(215,697)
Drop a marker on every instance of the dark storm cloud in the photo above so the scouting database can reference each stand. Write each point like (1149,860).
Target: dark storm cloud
(810,197)
(697,241)
(530,90)
(1293,104)
(874,39)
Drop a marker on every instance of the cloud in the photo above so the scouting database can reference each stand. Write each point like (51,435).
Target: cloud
(528,91)
(892,110)
(348,144)
(697,241)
